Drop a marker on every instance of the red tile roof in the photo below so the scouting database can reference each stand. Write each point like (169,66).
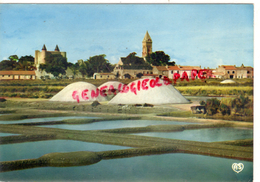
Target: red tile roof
(173,68)
(228,67)
(190,67)
(17,72)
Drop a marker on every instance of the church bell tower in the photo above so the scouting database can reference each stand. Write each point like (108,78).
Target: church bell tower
(147,45)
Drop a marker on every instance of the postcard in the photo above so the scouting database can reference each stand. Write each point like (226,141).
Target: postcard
(127,92)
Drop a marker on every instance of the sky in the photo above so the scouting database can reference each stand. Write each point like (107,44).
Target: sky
(205,35)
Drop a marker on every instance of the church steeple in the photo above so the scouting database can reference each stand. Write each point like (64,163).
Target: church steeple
(44,47)
(147,45)
(57,48)
(147,37)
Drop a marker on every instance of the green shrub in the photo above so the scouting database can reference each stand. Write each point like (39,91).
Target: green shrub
(202,103)
(224,109)
(212,106)
(248,112)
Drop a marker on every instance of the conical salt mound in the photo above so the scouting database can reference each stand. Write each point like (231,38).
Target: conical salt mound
(151,91)
(110,87)
(79,92)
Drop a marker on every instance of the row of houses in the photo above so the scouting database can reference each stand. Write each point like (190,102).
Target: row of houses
(17,75)
(222,72)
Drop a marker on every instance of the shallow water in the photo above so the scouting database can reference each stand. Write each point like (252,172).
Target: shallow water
(46,119)
(206,135)
(115,124)
(30,150)
(7,134)
(166,167)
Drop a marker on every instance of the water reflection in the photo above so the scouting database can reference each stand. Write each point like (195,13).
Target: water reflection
(206,135)
(166,167)
(37,149)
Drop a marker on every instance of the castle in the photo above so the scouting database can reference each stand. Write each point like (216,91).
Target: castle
(40,56)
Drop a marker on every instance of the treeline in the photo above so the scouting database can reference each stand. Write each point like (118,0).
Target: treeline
(239,106)
(57,65)
(24,63)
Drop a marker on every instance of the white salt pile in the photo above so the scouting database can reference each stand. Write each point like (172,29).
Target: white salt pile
(228,81)
(151,91)
(79,92)
(110,87)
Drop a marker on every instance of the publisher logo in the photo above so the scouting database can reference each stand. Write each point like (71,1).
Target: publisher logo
(237,167)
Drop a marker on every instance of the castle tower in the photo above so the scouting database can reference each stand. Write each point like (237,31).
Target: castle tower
(43,55)
(40,56)
(57,48)
(147,45)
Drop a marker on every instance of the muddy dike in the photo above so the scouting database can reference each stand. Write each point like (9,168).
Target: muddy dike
(21,116)
(81,158)
(26,138)
(166,128)
(243,143)
(80,121)
(85,107)
(7,111)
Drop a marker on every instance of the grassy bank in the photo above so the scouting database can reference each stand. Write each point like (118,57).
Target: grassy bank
(215,90)
(189,114)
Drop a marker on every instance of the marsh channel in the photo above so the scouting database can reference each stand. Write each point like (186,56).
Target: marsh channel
(52,141)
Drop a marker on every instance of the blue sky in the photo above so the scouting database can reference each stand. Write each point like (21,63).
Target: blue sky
(191,34)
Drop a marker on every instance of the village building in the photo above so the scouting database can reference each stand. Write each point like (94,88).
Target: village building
(130,71)
(181,69)
(245,72)
(104,76)
(17,75)
(160,71)
(231,71)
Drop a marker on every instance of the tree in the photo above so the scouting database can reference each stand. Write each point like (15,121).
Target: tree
(83,69)
(8,65)
(240,103)
(55,64)
(97,64)
(74,68)
(224,109)
(212,106)
(13,58)
(159,58)
(26,63)
(15,63)
(134,62)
